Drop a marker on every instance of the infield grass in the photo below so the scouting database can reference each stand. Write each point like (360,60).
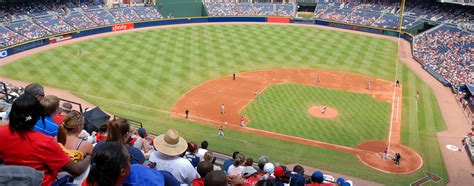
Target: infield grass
(140,75)
(283,109)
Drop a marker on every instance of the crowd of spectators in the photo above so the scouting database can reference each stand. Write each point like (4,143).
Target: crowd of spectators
(448,51)
(28,29)
(23,22)
(119,154)
(147,13)
(101,17)
(9,37)
(54,24)
(125,15)
(249,9)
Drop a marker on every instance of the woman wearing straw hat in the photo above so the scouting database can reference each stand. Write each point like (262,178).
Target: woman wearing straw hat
(169,147)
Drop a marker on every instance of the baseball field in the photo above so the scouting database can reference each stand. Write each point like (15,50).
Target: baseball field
(151,75)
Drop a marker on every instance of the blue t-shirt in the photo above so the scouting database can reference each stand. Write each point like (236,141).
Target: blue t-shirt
(136,156)
(193,159)
(227,164)
(142,175)
(48,127)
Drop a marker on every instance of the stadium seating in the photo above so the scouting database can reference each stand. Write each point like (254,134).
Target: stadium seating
(447,50)
(125,15)
(101,17)
(54,24)
(249,9)
(79,21)
(10,37)
(147,13)
(28,29)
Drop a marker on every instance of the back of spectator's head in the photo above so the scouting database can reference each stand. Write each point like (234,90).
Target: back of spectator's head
(234,154)
(215,178)
(298,169)
(248,172)
(192,147)
(50,104)
(25,111)
(66,107)
(36,90)
(239,159)
(204,167)
(110,165)
(317,177)
(262,161)
(209,156)
(269,168)
(248,162)
(204,144)
(73,120)
(265,182)
(142,132)
(118,130)
(103,128)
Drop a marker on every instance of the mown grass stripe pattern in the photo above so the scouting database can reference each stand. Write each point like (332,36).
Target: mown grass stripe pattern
(283,109)
(154,67)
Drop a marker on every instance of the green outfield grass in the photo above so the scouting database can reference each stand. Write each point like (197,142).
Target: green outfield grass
(140,75)
(283,109)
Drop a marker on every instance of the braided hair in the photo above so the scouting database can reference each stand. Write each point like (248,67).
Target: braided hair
(26,111)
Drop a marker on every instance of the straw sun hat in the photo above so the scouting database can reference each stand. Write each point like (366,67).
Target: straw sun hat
(170,143)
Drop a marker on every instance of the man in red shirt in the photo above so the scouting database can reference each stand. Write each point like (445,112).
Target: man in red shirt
(21,145)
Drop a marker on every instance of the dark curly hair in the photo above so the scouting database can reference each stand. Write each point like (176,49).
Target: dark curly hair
(107,162)
(26,110)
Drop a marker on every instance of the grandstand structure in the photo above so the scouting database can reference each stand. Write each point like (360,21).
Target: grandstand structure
(442,35)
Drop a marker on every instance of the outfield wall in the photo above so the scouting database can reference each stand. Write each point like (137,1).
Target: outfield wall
(126,26)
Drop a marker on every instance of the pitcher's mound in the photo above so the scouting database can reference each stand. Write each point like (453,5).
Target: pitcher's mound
(316,111)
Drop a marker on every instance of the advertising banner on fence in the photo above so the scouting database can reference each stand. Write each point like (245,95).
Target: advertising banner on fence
(3,53)
(29,45)
(121,27)
(58,39)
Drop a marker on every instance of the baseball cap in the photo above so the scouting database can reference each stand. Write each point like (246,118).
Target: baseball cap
(248,171)
(279,171)
(269,168)
(263,160)
(317,176)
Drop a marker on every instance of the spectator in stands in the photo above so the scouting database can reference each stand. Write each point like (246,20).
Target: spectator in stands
(118,131)
(268,169)
(202,150)
(281,176)
(297,176)
(317,178)
(141,143)
(203,168)
(229,162)
(36,90)
(111,166)
(69,131)
(65,109)
(249,175)
(191,154)
(102,134)
(261,164)
(209,156)
(237,168)
(215,178)
(169,147)
(38,151)
(248,162)
(46,124)
(265,182)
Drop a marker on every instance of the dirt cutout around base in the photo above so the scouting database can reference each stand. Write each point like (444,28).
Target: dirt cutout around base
(317,111)
(410,161)
(205,105)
